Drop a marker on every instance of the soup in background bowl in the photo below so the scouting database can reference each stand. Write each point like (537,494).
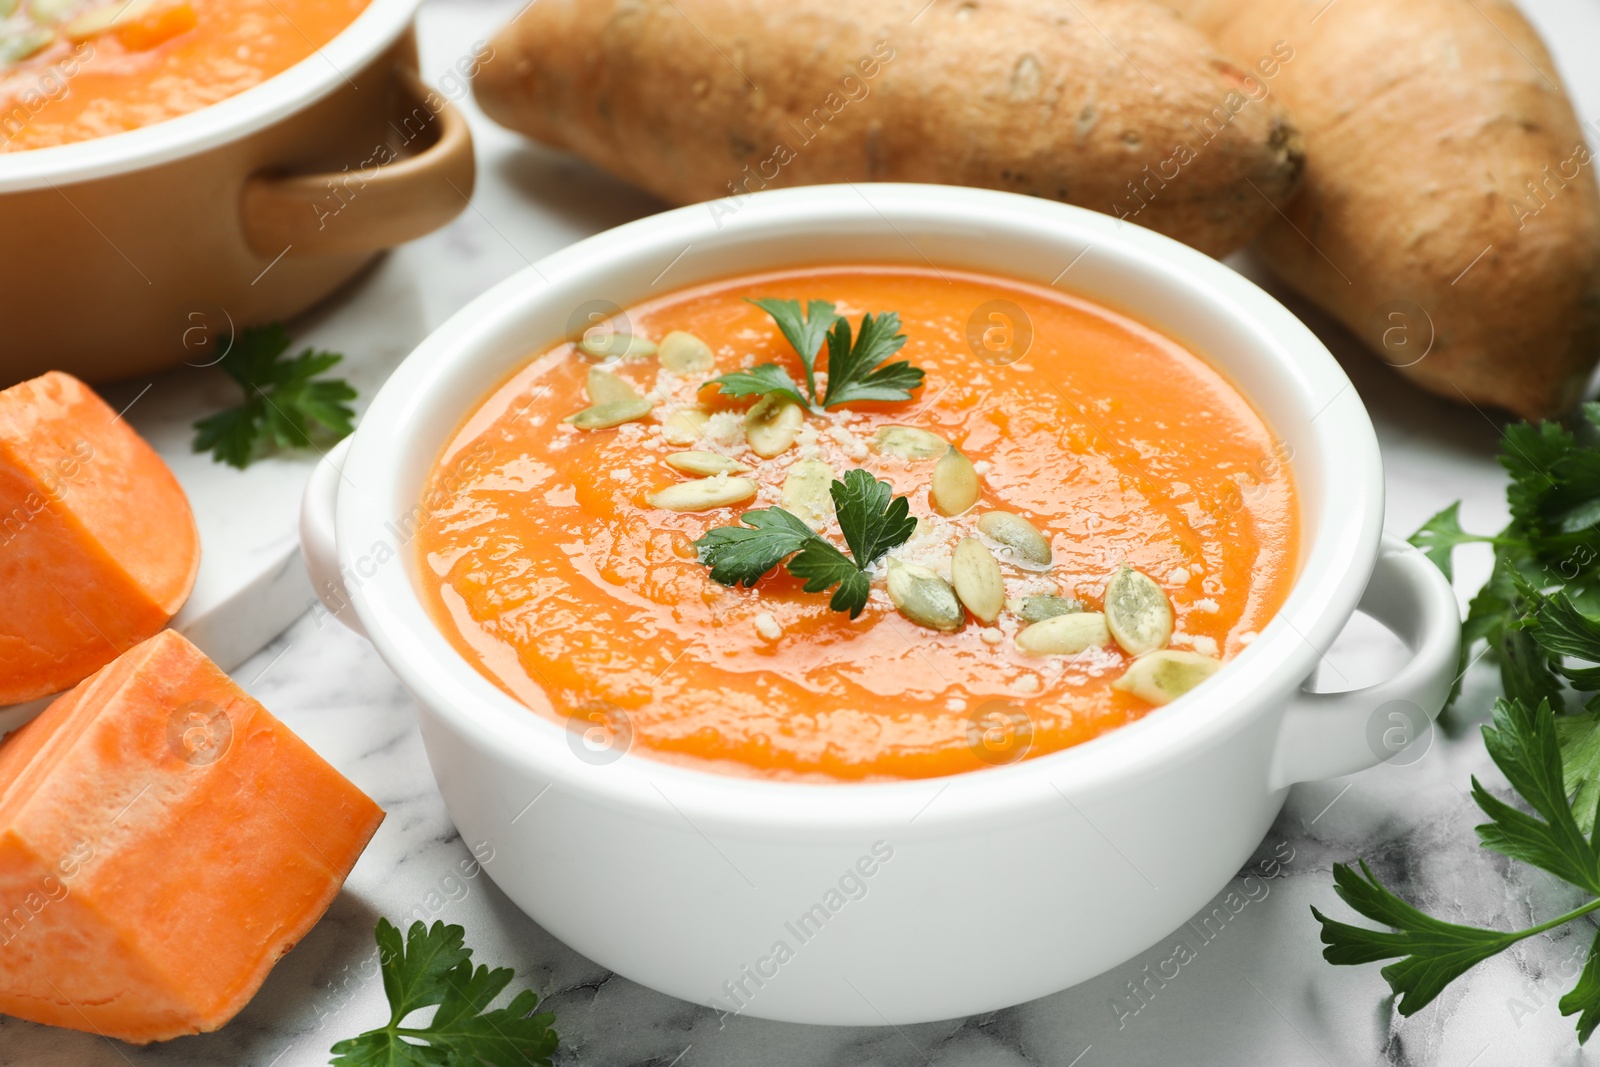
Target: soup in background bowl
(72,70)
(564,554)
(282,191)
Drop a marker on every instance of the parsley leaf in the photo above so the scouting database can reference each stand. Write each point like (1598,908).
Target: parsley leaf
(1579,739)
(805,333)
(856,370)
(1538,615)
(1585,996)
(1434,953)
(1564,632)
(1554,622)
(871,518)
(1522,743)
(1439,536)
(433,968)
(823,567)
(740,555)
(871,522)
(1526,671)
(1553,540)
(764,380)
(1555,488)
(283,407)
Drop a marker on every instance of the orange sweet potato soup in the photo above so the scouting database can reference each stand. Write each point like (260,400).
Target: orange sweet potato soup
(952,554)
(72,70)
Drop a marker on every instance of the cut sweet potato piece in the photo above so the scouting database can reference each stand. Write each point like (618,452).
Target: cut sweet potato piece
(163,842)
(98,547)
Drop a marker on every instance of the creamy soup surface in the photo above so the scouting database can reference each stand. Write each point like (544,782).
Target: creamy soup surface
(545,559)
(73,70)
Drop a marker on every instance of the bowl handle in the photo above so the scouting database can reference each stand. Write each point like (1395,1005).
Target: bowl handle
(319,543)
(1325,735)
(388,200)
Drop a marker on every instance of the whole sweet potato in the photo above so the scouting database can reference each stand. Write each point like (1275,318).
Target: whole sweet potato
(1116,105)
(1450,215)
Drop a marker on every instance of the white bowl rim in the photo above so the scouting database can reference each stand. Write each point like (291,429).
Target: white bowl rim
(1336,557)
(377,27)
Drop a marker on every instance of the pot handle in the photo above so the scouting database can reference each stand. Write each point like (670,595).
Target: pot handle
(377,206)
(319,543)
(1325,735)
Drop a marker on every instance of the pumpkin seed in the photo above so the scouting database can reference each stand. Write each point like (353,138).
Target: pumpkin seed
(684,353)
(924,597)
(92,23)
(770,426)
(1164,676)
(1065,635)
(615,413)
(705,494)
(604,387)
(52,10)
(908,442)
(16,47)
(976,577)
(98,20)
(806,492)
(1138,612)
(1040,608)
(955,485)
(704,464)
(602,344)
(684,426)
(1017,534)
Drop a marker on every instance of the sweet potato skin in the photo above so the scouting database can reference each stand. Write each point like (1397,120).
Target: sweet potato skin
(1114,105)
(1449,198)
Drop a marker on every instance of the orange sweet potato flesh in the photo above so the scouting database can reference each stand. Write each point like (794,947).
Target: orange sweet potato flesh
(98,547)
(164,841)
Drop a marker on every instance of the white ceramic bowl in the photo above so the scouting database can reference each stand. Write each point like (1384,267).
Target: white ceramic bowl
(903,902)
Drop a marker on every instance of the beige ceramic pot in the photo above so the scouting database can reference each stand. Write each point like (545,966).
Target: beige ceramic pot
(136,252)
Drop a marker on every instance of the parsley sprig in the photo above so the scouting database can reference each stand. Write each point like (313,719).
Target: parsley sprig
(872,524)
(432,968)
(1433,953)
(856,368)
(283,405)
(1531,613)
(1545,582)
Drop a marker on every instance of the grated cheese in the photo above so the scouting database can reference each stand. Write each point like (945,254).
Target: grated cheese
(725,428)
(1206,646)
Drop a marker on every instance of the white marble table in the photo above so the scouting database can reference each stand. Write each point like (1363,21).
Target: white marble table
(1255,993)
